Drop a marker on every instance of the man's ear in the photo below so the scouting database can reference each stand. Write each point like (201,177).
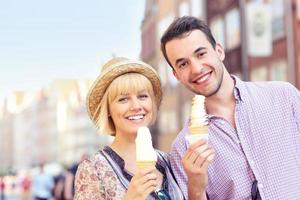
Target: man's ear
(220,51)
(175,74)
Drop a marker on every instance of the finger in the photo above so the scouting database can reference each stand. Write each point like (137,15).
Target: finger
(144,172)
(148,190)
(199,162)
(203,157)
(192,157)
(208,159)
(141,178)
(189,153)
(197,144)
(202,148)
(149,186)
(211,157)
(148,177)
(147,170)
(143,190)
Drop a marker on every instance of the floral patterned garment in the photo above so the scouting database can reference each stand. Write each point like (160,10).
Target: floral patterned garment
(95,179)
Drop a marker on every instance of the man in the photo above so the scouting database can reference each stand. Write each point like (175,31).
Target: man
(254,127)
(42,185)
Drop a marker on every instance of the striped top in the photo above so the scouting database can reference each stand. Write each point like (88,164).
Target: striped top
(265,146)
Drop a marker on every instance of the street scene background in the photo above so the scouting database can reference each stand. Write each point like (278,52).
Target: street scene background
(51,51)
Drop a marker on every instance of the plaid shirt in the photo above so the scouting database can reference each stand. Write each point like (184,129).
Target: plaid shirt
(265,145)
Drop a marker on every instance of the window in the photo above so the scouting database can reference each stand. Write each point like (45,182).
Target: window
(259,73)
(233,28)
(217,29)
(279,71)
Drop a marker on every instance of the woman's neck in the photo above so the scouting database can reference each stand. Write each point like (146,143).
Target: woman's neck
(126,149)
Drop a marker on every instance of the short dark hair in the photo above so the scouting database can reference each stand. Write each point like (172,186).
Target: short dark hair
(182,26)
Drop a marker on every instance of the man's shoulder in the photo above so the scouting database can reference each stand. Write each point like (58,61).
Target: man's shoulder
(268,84)
(265,87)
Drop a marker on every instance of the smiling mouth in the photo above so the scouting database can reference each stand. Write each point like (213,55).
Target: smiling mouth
(135,117)
(202,79)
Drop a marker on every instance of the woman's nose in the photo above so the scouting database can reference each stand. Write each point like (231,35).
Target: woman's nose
(135,104)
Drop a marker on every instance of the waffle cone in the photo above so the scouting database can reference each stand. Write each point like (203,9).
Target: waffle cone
(198,129)
(145,164)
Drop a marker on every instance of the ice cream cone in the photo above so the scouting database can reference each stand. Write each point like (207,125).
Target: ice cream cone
(145,154)
(198,128)
(145,164)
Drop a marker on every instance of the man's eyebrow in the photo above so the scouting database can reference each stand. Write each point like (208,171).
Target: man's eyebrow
(199,49)
(179,60)
(196,51)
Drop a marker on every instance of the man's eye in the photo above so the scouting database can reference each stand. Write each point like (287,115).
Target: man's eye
(182,65)
(201,54)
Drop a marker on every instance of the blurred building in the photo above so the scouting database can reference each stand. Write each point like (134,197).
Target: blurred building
(6,141)
(33,135)
(76,134)
(260,37)
(49,126)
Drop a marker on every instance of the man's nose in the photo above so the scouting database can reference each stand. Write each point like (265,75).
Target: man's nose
(196,66)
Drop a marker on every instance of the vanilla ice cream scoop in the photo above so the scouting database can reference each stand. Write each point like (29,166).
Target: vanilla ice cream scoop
(145,154)
(198,120)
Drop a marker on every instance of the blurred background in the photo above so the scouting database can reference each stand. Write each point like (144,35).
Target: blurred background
(50,51)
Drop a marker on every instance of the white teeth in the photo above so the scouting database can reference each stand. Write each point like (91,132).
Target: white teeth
(203,78)
(136,117)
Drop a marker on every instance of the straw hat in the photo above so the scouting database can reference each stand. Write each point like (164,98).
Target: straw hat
(111,70)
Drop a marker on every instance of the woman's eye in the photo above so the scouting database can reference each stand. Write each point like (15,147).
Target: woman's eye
(143,96)
(122,99)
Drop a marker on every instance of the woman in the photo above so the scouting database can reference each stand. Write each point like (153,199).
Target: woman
(124,97)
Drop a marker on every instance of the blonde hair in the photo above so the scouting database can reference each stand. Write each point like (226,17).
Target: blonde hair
(127,83)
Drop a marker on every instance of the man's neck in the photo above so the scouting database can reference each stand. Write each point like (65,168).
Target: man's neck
(223,102)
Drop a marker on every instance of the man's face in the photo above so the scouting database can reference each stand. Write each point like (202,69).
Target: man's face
(196,64)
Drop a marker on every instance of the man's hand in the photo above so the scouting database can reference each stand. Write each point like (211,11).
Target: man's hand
(195,163)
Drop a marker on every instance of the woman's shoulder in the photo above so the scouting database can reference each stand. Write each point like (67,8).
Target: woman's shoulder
(95,179)
(96,164)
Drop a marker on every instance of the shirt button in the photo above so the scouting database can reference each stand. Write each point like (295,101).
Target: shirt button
(222,122)
(238,141)
(252,162)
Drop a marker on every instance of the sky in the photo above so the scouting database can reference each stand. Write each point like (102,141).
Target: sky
(45,40)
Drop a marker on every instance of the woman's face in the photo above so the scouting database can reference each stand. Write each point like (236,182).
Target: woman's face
(131,111)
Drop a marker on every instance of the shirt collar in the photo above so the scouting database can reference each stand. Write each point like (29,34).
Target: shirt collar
(238,88)
(115,157)
(237,91)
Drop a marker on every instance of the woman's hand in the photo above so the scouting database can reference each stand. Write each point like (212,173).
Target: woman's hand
(195,163)
(142,184)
